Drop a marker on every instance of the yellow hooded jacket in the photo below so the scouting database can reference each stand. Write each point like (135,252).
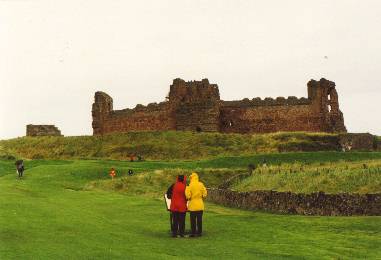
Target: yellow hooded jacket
(195,192)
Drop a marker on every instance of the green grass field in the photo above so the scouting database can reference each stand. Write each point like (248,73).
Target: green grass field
(70,209)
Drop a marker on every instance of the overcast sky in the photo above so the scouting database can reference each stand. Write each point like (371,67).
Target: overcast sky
(55,54)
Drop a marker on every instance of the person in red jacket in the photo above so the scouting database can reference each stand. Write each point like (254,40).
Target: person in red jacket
(179,206)
(112,173)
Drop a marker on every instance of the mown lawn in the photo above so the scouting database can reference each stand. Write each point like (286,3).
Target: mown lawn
(52,215)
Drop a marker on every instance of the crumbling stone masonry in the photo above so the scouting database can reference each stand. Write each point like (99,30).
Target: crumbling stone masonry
(196,106)
(358,142)
(42,130)
(319,203)
(377,144)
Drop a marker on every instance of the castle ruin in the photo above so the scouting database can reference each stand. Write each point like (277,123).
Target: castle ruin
(196,106)
(42,130)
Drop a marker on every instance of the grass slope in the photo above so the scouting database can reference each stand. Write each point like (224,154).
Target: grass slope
(166,145)
(340,177)
(344,177)
(49,215)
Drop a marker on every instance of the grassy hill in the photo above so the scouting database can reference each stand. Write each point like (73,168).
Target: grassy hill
(68,209)
(330,172)
(300,172)
(362,177)
(165,145)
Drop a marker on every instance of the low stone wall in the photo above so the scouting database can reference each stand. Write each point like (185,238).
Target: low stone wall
(357,142)
(378,144)
(304,204)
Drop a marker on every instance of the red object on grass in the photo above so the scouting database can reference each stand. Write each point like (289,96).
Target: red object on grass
(178,201)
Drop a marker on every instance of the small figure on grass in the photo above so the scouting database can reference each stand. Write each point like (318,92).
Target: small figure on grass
(20,168)
(130,172)
(112,173)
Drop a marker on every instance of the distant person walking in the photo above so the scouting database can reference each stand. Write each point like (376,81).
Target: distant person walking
(20,168)
(195,193)
(112,173)
(130,172)
(178,206)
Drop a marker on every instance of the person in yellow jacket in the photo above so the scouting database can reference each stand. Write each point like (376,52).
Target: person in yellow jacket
(195,193)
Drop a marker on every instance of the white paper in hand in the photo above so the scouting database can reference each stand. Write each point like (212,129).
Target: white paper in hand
(167,202)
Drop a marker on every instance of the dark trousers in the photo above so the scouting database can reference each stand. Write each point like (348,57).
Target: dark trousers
(196,222)
(20,172)
(171,221)
(178,223)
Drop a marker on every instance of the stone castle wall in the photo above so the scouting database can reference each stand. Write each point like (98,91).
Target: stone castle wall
(42,130)
(196,106)
(378,145)
(358,142)
(265,119)
(141,118)
(304,204)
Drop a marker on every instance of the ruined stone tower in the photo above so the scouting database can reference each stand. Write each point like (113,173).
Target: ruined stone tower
(196,106)
(325,100)
(102,107)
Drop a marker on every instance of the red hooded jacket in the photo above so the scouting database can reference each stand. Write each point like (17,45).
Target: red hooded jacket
(178,201)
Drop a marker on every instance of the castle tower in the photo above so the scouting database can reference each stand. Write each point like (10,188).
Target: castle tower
(102,106)
(325,101)
(196,105)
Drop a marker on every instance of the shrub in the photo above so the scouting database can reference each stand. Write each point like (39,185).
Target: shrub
(8,157)
(37,156)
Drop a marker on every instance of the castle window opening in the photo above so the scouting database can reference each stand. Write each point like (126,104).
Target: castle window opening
(329,108)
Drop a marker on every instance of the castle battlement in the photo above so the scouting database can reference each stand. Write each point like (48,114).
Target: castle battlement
(268,101)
